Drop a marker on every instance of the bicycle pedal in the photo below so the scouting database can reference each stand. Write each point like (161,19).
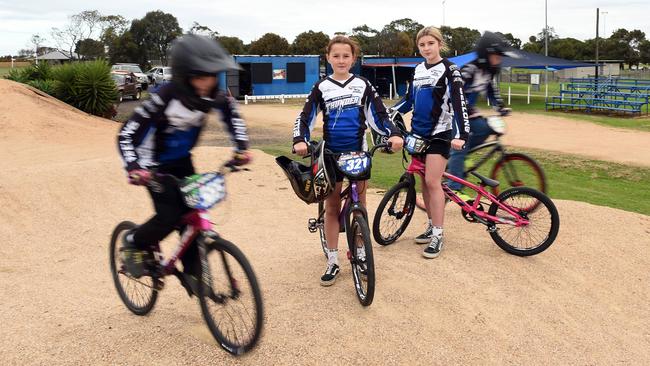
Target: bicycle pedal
(312,226)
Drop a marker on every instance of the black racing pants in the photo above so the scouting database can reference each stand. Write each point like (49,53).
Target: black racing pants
(170,208)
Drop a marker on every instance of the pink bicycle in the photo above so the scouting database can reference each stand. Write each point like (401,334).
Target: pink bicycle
(521,220)
(228,292)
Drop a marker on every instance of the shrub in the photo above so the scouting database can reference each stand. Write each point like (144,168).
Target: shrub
(46,86)
(95,90)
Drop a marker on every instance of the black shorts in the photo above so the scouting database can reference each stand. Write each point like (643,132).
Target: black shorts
(438,147)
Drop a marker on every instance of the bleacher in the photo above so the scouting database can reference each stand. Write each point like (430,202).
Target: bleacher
(609,95)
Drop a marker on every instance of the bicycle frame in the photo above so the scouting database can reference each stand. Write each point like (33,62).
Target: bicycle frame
(473,209)
(498,148)
(196,222)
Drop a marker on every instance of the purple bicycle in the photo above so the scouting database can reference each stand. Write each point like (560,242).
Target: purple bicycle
(228,292)
(353,220)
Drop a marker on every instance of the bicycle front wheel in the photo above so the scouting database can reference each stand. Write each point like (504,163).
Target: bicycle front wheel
(518,170)
(394,213)
(138,294)
(543,226)
(362,260)
(230,297)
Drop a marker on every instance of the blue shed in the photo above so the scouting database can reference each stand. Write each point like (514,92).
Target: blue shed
(272,75)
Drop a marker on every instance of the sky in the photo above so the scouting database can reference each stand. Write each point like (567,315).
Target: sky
(250,19)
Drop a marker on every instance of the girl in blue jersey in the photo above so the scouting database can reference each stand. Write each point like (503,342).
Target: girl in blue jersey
(436,97)
(349,104)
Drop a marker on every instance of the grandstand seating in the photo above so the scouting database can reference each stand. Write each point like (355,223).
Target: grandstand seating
(611,95)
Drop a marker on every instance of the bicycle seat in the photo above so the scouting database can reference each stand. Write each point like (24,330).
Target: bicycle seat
(485,180)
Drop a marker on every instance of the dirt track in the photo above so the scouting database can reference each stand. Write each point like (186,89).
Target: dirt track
(583,301)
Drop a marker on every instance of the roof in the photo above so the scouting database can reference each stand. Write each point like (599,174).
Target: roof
(57,55)
(520,59)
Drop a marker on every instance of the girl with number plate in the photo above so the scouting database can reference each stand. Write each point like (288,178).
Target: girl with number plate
(349,104)
(439,121)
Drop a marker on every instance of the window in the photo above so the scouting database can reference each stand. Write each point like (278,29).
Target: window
(295,72)
(262,73)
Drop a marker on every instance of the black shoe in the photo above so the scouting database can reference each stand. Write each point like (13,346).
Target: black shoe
(330,275)
(434,248)
(425,237)
(134,257)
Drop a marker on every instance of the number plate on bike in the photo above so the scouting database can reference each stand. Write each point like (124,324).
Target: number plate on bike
(202,191)
(354,163)
(415,145)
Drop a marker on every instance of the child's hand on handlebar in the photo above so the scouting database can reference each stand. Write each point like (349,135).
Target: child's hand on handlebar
(395,142)
(457,144)
(300,148)
(240,158)
(139,177)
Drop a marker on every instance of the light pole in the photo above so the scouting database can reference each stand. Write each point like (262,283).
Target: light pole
(546,45)
(604,13)
(443,12)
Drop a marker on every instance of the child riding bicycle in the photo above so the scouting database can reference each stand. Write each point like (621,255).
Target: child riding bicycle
(439,121)
(479,77)
(160,134)
(349,104)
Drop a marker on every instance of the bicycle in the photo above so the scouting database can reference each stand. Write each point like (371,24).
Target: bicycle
(353,220)
(238,328)
(510,169)
(516,208)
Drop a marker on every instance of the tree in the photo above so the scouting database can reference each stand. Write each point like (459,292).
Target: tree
(90,49)
(459,40)
(644,51)
(567,48)
(512,41)
(80,26)
(269,44)
(624,44)
(37,41)
(124,49)
(366,37)
(203,30)
(395,44)
(155,33)
(234,45)
(310,43)
(409,27)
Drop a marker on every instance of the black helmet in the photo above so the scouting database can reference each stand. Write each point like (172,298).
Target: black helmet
(490,44)
(310,183)
(195,55)
(299,176)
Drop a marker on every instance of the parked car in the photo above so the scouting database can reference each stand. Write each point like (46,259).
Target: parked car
(135,69)
(160,74)
(127,85)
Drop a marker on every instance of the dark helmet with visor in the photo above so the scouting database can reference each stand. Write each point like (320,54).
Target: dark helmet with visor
(196,55)
(491,44)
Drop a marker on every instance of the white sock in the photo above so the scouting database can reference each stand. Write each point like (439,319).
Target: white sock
(436,231)
(332,256)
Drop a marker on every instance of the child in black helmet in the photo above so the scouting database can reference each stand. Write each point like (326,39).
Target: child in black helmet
(162,131)
(479,77)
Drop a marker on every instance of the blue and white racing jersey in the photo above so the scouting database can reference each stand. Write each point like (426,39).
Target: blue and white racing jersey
(164,129)
(348,109)
(436,97)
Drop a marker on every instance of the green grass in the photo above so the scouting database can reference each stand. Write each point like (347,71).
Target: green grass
(569,177)
(5,70)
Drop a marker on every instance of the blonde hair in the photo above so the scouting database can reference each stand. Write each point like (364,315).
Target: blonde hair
(354,46)
(433,32)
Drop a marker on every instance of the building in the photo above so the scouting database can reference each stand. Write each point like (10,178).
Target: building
(272,75)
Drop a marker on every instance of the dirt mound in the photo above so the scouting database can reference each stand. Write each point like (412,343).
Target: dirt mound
(583,301)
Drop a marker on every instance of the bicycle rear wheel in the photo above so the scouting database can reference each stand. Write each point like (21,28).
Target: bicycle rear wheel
(362,260)
(230,297)
(538,235)
(138,294)
(518,170)
(394,213)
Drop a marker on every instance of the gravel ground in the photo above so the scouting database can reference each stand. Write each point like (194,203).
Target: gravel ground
(583,301)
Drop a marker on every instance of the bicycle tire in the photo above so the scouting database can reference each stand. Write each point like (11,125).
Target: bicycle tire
(360,234)
(514,177)
(403,214)
(229,277)
(544,209)
(147,294)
